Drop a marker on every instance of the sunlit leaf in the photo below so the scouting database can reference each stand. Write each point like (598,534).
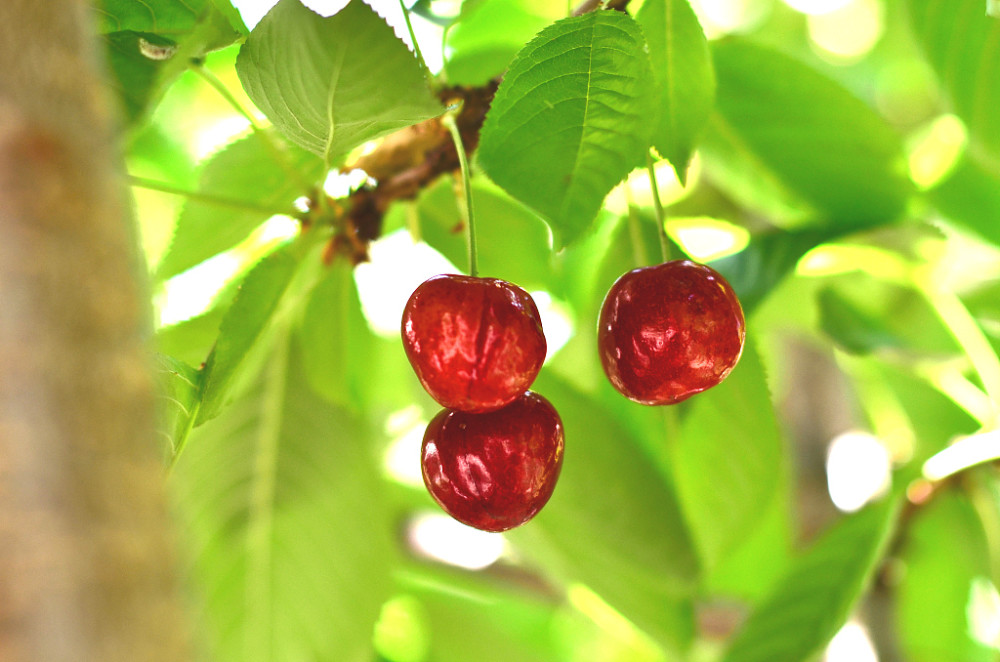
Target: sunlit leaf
(946,557)
(813,600)
(613,522)
(962,43)
(282,510)
(242,326)
(163,17)
(330,84)
(571,118)
(795,143)
(252,174)
(685,78)
(727,477)
(970,197)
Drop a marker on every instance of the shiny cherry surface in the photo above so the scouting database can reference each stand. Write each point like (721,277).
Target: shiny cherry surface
(476,344)
(669,331)
(494,471)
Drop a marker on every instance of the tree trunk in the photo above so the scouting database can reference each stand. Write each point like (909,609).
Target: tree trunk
(85,558)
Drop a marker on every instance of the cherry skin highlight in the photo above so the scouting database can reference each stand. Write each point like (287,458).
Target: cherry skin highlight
(476,344)
(494,471)
(669,331)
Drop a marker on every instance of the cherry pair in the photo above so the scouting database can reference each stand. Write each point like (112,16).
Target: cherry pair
(491,458)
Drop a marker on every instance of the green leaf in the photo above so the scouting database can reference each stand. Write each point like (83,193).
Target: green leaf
(962,43)
(813,600)
(488,34)
(727,477)
(253,176)
(513,241)
(613,522)
(283,515)
(330,84)
(685,78)
(571,119)
(854,329)
(970,197)
(242,326)
(180,385)
(797,145)
(136,77)
(337,345)
(756,270)
(162,17)
(946,557)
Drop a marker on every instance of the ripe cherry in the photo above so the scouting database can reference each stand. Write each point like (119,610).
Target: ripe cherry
(669,331)
(476,344)
(494,471)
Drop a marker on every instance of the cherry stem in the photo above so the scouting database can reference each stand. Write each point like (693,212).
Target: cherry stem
(661,217)
(209,198)
(448,119)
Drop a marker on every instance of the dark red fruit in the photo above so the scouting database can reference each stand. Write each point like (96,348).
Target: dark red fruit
(476,344)
(669,331)
(494,471)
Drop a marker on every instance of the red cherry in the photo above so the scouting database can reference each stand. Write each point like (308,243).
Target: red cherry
(476,344)
(669,331)
(494,471)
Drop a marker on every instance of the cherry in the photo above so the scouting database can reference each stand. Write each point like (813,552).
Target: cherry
(494,471)
(669,331)
(476,344)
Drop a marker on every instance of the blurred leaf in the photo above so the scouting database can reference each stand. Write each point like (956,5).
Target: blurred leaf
(178,402)
(851,327)
(488,34)
(282,510)
(163,17)
(571,119)
(191,340)
(970,196)
(789,138)
(150,44)
(242,326)
(614,523)
(750,570)
(864,314)
(813,600)
(513,242)
(685,79)
(756,270)
(946,555)
(330,84)
(962,43)
(246,171)
(726,477)
(337,345)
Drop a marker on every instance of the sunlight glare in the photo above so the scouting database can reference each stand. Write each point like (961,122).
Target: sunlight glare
(858,469)
(447,540)
(851,644)
(816,7)
(406,429)
(848,32)
(213,136)
(707,239)
(556,322)
(188,294)
(962,454)
(398,265)
(935,149)
(983,612)
(721,17)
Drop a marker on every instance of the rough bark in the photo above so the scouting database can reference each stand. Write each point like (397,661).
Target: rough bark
(85,559)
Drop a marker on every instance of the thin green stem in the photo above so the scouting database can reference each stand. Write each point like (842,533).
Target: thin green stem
(413,38)
(964,328)
(448,119)
(262,133)
(661,216)
(209,198)
(639,253)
